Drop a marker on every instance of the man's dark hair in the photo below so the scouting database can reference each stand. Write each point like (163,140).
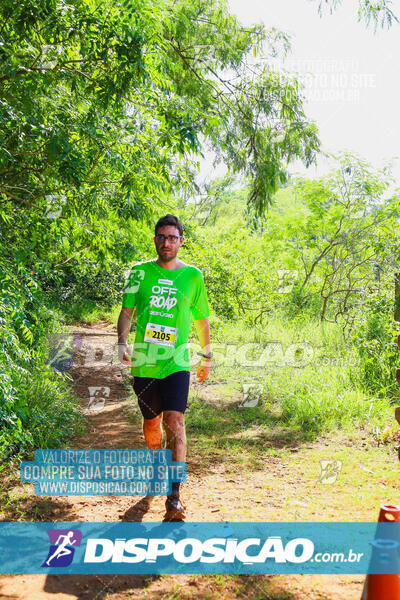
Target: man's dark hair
(169,220)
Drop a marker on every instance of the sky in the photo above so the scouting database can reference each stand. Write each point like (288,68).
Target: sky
(354,94)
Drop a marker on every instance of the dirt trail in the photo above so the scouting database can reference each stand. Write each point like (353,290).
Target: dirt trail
(210,495)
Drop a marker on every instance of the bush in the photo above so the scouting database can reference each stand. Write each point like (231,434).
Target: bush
(374,336)
(84,280)
(37,408)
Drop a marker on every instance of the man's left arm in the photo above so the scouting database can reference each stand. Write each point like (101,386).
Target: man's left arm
(203,331)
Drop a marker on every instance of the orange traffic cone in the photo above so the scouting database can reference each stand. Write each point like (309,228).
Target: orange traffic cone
(384,587)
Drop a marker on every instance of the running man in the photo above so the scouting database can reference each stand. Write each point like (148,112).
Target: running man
(62,549)
(165,292)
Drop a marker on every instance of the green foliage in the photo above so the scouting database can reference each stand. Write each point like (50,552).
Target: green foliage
(239,284)
(313,393)
(84,279)
(39,411)
(36,408)
(101,109)
(323,246)
(341,235)
(374,336)
(323,398)
(378,12)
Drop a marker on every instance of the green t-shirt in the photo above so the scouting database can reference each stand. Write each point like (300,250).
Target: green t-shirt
(164,301)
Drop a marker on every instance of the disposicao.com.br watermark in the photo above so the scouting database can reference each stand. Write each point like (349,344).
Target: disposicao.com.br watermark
(197,548)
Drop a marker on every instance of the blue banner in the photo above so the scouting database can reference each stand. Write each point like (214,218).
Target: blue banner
(102,472)
(197,548)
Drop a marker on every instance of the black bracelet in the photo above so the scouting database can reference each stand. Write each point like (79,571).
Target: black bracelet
(209,355)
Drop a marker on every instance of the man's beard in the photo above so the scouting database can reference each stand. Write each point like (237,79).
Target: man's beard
(167,256)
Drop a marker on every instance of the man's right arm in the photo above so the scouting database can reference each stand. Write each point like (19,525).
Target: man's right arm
(123,328)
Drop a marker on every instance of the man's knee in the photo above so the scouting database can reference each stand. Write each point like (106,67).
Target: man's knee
(173,421)
(152,424)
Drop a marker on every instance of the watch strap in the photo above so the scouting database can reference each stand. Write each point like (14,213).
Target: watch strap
(209,355)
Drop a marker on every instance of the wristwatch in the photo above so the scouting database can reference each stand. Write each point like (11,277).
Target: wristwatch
(209,355)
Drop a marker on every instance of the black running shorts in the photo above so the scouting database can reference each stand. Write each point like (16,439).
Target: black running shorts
(157,395)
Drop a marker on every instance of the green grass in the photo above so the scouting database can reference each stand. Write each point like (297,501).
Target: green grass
(221,432)
(306,379)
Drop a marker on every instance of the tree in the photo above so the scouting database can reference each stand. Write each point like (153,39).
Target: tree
(102,109)
(349,233)
(378,13)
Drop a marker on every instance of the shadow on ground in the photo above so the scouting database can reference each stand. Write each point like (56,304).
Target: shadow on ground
(225,433)
(86,587)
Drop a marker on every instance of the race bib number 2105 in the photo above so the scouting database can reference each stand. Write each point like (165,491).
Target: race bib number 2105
(160,334)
